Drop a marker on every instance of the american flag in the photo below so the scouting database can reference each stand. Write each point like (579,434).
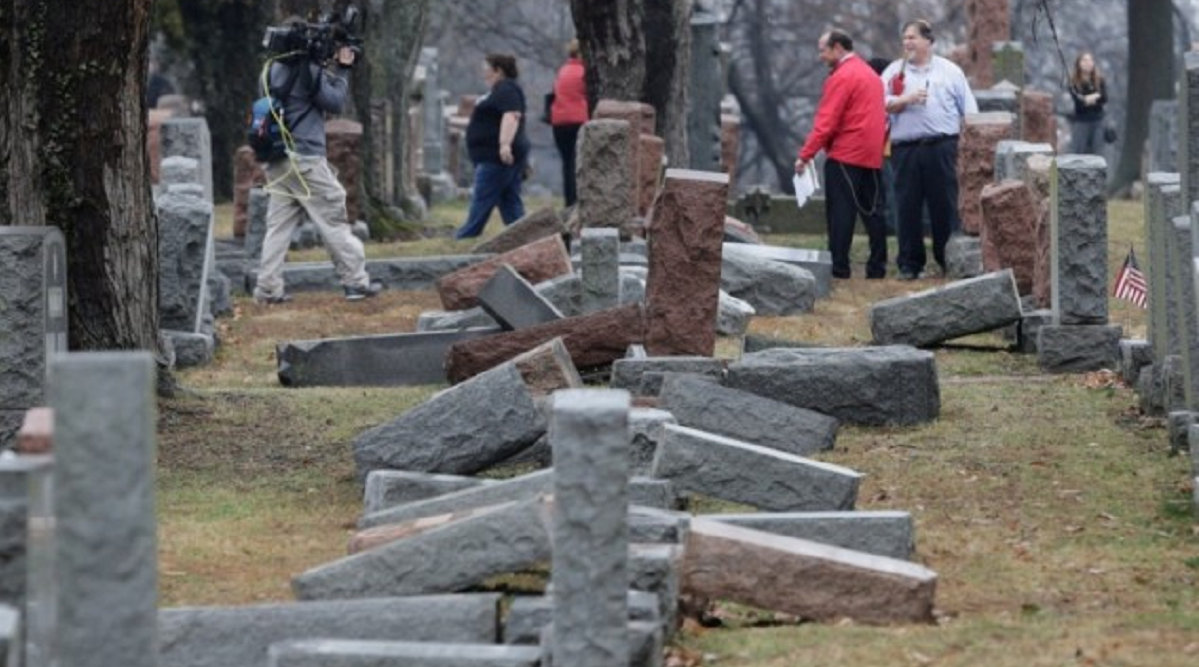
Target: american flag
(1130,282)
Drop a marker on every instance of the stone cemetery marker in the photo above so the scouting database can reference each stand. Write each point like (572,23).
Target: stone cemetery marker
(106,559)
(33,318)
(1079,239)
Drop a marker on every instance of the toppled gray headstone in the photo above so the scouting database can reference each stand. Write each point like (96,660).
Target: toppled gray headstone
(510,300)
(771,287)
(959,308)
(529,614)
(448,558)
(389,488)
(361,653)
(819,263)
(646,429)
(628,373)
(241,636)
(461,430)
(895,384)
(746,416)
(488,492)
(883,533)
(733,315)
(746,473)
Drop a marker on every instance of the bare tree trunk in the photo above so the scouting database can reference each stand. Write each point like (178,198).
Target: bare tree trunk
(1148,22)
(613,44)
(73,155)
(393,33)
(668,47)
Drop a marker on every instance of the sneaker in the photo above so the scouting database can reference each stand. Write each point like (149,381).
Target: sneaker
(283,297)
(910,275)
(360,293)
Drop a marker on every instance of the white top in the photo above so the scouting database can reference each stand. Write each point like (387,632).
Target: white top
(949,99)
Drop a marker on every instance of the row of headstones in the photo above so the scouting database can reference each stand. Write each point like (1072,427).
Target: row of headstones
(1165,367)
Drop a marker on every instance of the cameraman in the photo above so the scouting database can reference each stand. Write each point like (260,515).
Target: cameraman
(302,184)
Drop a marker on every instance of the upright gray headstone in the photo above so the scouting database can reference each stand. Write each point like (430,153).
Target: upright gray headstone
(20,478)
(1163,203)
(1079,239)
(185,258)
(41,593)
(605,178)
(1188,127)
(33,318)
(189,137)
(600,252)
(706,90)
(1181,263)
(106,559)
(590,436)
(431,111)
(1163,136)
(256,225)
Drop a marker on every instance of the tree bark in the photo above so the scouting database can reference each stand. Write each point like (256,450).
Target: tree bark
(668,47)
(613,44)
(393,33)
(73,151)
(1150,24)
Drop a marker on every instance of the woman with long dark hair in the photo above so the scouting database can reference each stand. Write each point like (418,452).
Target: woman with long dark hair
(1089,92)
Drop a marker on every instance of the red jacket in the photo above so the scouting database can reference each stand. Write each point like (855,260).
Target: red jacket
(570,95)
(851,120)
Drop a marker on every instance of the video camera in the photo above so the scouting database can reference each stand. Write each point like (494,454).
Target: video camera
(320,40)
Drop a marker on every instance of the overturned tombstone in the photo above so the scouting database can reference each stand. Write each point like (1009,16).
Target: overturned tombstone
(541,260)
(388,488)
(757,476)
(522,487)
(344,653)
(448,557)
(708,406)
(389,360)
(462,430)
(240,636)
(533,227)
(592,340)
(882,533)
(637,370)
(957,309)
(510,300)
(530,614)
(772,287)
(804,578)
(895,384)
(963,257)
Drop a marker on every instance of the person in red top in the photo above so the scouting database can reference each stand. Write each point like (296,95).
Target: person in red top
(850,127)
(568,113)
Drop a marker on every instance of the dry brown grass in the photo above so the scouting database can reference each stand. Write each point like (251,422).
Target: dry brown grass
(1060,528)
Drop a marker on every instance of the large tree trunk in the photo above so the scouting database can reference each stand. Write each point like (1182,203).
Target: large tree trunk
(612,40)
(73,155)
(668,47)
(394,32)
(1150,30)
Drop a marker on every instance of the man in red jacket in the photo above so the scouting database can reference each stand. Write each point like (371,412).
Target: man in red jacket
(850,127)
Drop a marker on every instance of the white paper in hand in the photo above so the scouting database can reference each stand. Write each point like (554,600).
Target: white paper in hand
(805,185)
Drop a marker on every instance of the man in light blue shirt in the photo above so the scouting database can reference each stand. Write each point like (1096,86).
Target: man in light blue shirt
(927,99)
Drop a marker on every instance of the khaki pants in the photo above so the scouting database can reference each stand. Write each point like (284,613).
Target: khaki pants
(311,191)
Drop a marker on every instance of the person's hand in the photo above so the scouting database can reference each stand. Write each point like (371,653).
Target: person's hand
(506,154)
(1091,99)
(345,56)
(800,165)
(918,96)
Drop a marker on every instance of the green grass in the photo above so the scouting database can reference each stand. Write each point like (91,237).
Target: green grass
(1061,530)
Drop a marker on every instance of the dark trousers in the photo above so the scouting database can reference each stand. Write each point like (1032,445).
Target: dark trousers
(925,175)
(852,192)
(566,137)
(496,184)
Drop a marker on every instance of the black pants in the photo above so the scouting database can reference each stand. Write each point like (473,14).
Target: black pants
(851,192)
(925,174)
(566,137)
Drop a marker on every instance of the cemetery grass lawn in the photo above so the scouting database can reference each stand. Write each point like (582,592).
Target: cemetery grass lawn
(1058,524)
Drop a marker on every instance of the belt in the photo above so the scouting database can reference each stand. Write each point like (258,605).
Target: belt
(923,141)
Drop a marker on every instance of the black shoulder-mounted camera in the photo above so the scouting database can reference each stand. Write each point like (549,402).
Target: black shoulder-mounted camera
(320,40)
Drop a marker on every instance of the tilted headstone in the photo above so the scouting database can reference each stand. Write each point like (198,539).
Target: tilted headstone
(389,488)
(976,161)
(494,492)
(817,262)
(590,438)
(33,317)
(378,653)
(882,533)
(771,285)
(105,558)
(1079,239)
(512,302)
(536,225)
